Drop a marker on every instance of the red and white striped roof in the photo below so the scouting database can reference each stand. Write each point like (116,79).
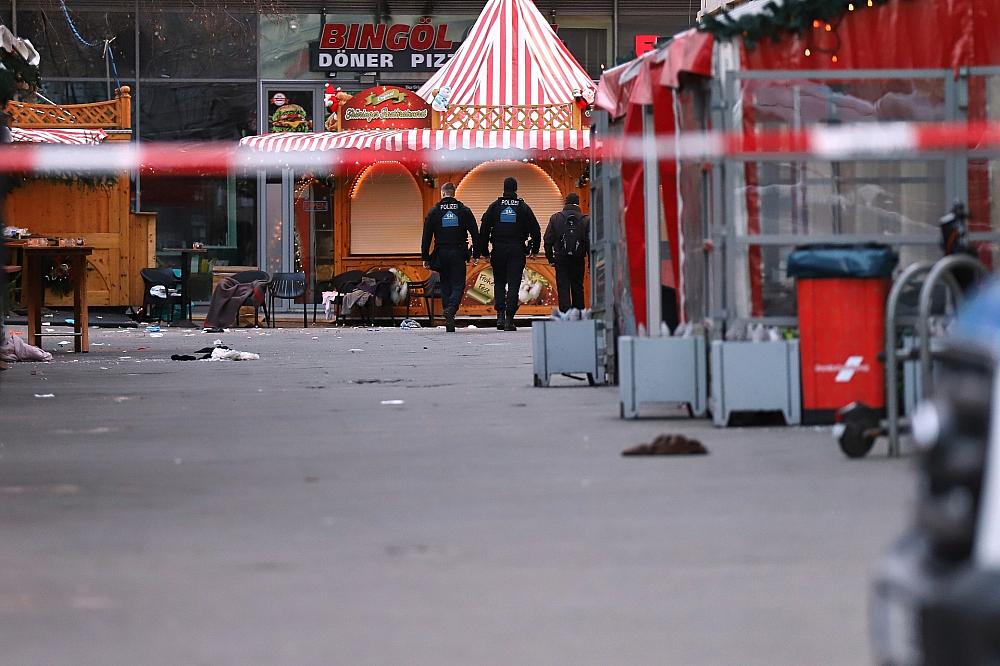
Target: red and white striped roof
(512,57)
(403,140)
(72,137)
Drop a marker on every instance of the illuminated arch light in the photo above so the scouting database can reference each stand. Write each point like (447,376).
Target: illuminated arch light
(535,186)
(371,168)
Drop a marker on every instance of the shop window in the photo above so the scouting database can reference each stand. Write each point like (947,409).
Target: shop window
(63,56)
(387,211)
(484,184)
(197,112)
(589,46)
(202,43)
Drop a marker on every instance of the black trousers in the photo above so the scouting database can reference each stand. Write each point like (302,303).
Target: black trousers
(508,266)
(570,272)
(452,270)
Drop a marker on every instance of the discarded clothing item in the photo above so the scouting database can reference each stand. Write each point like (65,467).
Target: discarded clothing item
(220,354)
(329,301)
(409,323)
(227,299)
(668,445)
(16,349)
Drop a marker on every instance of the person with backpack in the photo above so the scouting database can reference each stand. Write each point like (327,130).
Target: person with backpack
(567,242)
(512,228)
(450,223)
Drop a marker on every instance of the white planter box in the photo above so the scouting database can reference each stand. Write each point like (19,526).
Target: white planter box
(662,370)
(568,347)
(756,377)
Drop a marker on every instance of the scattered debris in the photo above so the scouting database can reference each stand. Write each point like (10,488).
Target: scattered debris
(156,335)
(407,324)
(220,354)
(45,395)
(393,402)
(668,445)
(355,350)
(64,343)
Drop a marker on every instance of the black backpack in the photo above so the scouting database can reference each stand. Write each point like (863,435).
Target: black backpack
(571,243)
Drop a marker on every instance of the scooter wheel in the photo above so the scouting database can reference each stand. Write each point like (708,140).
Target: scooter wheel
(853,441)
(854,432)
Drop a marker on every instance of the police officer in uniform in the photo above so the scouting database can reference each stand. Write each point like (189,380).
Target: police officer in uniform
(512,228)
(450,223)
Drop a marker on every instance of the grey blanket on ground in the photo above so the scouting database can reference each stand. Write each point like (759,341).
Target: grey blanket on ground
(14,348)
(228,298)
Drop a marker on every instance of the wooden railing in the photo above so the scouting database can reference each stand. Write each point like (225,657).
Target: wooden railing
(547,116)
(114,114)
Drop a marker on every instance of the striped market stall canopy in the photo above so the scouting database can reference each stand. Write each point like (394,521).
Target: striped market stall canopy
(71,137)
(512,57)
(416,140)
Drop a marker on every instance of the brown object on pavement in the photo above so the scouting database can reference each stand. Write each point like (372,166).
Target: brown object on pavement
(668,445)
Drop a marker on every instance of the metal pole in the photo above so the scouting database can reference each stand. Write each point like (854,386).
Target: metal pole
(891,371)
(614,32)
(941,271)
(137,110)
(651,195)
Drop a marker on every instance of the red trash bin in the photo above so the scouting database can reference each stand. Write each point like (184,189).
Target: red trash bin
(842,329)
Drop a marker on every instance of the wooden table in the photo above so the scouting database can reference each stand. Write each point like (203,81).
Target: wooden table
(33,286)
(186,253)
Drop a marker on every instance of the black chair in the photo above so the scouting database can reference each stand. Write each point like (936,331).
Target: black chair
(166,278)
(343,283)
(287,285)
(383,291)
(254,300)
(429,290)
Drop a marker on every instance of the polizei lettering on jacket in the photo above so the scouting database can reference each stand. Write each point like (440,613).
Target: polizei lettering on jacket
(368,46)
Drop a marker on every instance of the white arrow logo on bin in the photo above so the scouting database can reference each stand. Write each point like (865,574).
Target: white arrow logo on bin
(846,373)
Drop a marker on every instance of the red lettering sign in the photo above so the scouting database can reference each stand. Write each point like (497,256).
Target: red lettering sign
(385,107)
(645,43)
(334,36)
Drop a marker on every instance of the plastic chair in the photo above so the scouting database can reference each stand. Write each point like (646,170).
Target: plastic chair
(428,289)
(252,300)
(287,285)
(165,277)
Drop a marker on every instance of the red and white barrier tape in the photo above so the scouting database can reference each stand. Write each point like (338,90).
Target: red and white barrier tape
(861,141)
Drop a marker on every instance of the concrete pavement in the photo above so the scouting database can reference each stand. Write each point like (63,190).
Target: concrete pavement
(276,512)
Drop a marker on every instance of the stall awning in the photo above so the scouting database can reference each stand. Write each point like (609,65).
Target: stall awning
(512,57)
(633,83)
(72,137)
(415,140)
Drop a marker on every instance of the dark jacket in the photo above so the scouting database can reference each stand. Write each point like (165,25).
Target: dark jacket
(510,221)
(450,222)
(557,227)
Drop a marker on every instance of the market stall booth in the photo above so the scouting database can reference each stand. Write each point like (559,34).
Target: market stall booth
(789,68)
(512,95)
(96,209)
(731,220)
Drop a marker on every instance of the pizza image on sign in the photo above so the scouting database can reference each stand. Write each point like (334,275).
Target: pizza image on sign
(386,107)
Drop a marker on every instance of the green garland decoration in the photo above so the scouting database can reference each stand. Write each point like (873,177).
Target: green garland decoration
(775,20)
(90,182)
